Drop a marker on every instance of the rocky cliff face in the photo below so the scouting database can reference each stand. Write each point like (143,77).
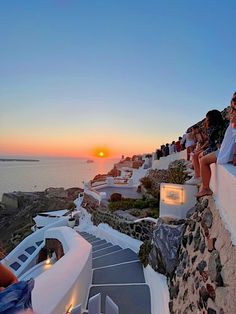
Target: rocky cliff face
(198,258)
(205,278)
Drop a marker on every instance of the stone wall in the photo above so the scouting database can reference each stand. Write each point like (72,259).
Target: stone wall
(138,230)
(205,278)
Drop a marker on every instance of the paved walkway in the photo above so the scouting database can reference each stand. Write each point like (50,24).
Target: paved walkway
(118,273)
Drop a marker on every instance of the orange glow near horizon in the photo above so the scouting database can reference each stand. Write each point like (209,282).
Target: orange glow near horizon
(101,152)
(63,144)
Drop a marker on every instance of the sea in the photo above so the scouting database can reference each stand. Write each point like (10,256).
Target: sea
(29,176)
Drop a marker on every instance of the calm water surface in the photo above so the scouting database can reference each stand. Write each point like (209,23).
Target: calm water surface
(59,172)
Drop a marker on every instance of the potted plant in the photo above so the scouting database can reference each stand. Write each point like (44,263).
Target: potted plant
(71,220)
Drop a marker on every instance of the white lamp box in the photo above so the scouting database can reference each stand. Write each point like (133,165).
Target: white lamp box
(176,199)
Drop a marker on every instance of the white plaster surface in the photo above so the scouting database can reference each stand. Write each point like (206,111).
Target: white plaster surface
(95,194)
(159,291)
(223,184)
(146,219)
(163,162)
(67,282)
(138,174)
(178,211)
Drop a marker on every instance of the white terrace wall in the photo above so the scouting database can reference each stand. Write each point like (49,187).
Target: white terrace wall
(138,174)
(223,184)
(163,162)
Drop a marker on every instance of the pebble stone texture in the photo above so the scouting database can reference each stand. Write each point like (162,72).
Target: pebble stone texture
(205,278)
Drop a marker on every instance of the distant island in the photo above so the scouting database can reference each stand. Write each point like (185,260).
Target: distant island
(16,159)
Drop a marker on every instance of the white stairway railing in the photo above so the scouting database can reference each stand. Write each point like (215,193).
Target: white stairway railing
(94,306)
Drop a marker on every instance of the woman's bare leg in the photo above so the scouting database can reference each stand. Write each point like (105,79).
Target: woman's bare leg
(196,164)
(205,170)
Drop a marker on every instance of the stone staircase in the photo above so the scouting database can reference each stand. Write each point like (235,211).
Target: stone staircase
(118,273)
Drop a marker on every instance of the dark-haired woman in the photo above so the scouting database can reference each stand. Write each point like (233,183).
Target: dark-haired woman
(215,131)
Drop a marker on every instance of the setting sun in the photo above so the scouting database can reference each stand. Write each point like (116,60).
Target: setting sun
(101,152)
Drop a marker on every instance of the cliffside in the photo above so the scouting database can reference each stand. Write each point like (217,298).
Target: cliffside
(17,210)
(205,278)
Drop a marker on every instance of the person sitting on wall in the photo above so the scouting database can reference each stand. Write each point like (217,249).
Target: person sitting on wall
(163,150)
(7,277)
(190,142)
(227,152)
(172,148)
(166,150)
(215,130)
(201,145)
(199,136)
(15,296)
(224,155)
(158,154)
(178,145)
(183,141)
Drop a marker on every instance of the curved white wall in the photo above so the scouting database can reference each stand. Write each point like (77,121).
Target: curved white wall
(38,235)
(67,282)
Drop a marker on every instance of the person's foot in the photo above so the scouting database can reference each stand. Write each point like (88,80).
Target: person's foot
(189,172)
(188,163)
(194,181)
(204,192)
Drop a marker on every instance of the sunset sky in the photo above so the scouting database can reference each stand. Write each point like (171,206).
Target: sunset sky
(79,77)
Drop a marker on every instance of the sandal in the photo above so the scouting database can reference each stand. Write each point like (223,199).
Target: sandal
(204,192)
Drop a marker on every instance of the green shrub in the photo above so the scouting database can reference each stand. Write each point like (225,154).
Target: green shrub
(135,212)
(151,212)
(153,203)
(146,182)
(133,203)
(123,204)
(140,204)
(176,172)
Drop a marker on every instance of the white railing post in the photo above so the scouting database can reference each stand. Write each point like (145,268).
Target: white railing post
(110,306)
(76,309)
(94,305)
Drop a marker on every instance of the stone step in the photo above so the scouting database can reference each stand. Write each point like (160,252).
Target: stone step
(102,246)
(119,274)
(122,256)
(91,239)
(131,299)
(107,250)
(98,242)
(84,234)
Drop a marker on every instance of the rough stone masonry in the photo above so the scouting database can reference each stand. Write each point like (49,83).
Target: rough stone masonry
(205,278)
